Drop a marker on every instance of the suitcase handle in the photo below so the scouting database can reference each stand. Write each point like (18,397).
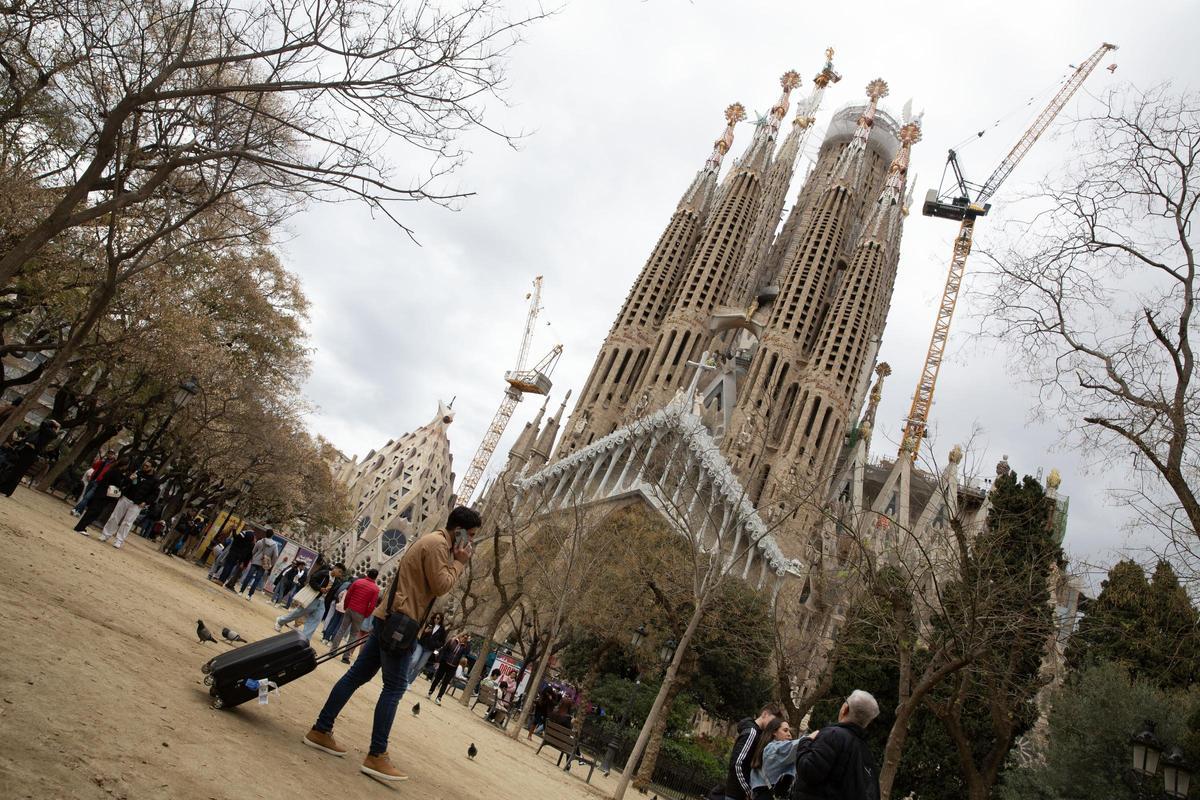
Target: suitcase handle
(332,654)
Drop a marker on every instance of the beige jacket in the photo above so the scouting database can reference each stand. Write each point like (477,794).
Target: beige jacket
(427,570)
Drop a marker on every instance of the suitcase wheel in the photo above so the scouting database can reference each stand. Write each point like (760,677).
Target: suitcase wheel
(208,680)
(206,667)
(218,703)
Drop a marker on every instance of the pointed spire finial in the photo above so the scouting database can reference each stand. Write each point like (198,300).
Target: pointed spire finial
(827,75)
(893,202)
(563,405)
(789,81)
(734,114)
(850,160)
(868,420)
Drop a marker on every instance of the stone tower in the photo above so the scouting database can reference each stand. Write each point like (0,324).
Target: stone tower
(774,330)
(622,359)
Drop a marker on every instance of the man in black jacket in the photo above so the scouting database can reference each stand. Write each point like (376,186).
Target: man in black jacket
(449,656)
(237,557)
(838,765)
(138,489)
(737,781)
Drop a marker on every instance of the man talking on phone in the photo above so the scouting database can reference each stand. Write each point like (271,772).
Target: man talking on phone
(428,569)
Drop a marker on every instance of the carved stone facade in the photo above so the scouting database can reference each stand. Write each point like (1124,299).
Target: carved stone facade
(743,356)
(398,492)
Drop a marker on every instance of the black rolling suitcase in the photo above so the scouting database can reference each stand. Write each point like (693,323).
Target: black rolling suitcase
(281,659)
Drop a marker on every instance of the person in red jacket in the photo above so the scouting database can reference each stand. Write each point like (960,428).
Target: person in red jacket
(359,602)
(99,468)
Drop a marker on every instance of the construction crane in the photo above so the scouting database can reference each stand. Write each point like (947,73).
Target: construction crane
(958,204)
(521,381)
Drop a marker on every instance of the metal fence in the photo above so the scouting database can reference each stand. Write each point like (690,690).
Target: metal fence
(672,780)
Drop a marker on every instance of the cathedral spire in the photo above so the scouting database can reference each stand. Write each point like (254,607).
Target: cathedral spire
(893,203)
(868,420)
(754,270)
(734,114)
(851,158)
(623,358)
(520,448)
(699,194)
(545,440)
(762,146)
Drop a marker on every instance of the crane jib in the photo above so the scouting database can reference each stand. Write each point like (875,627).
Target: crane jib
(966,211)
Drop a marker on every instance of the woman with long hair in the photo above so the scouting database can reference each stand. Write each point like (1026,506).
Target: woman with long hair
(432,638)
(773,765)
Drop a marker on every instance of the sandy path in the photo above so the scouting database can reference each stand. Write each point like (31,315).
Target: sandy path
(101,694)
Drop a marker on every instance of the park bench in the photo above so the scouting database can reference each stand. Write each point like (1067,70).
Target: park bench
(564,740)
(488,696)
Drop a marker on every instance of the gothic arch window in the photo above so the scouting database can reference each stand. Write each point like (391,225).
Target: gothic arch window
(393,542)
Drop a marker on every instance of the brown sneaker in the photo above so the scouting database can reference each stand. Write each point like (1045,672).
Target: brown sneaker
(324,742)
(380,768)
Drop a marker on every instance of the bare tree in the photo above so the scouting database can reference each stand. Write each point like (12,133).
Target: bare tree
(298,98)
(1096,300)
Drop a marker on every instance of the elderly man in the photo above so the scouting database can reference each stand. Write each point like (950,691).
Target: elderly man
(838,765)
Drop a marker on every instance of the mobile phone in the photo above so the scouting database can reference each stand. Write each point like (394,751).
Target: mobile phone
(461,538)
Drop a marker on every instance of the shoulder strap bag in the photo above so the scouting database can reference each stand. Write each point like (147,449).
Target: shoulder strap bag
(399,631)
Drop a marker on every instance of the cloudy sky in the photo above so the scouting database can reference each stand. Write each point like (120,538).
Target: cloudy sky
(619,102)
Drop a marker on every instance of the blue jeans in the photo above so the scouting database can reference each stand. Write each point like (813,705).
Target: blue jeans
(254,578)
(85,497)
(417,662)
(332,623)
(371,658)
(280,588)
(311,613)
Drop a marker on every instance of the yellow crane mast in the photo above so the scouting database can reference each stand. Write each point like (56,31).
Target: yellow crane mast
(521,381)
(958,205)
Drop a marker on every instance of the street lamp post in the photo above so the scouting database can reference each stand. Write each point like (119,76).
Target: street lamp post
(1147,756)
(610,752)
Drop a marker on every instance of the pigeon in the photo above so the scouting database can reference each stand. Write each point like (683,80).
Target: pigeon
(231,635)
(472,751)
(417,710)
(203,633)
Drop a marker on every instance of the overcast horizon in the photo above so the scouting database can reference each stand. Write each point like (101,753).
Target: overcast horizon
(619,103)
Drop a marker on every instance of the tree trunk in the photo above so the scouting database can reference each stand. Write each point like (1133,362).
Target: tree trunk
(489,643)
(894,748)
(90,440)
(99,301)
(588,683)
(645,773)
(527,705)
(639,746)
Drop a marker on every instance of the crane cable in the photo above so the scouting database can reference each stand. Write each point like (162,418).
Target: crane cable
(1034,98)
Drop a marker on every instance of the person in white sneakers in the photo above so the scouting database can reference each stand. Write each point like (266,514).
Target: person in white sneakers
(138,489)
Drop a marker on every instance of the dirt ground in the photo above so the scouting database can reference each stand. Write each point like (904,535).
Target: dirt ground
(101,693)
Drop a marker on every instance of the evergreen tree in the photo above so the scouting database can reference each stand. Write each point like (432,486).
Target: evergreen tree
(929,767)
(985,707)
(1149,627)
(1087,751)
